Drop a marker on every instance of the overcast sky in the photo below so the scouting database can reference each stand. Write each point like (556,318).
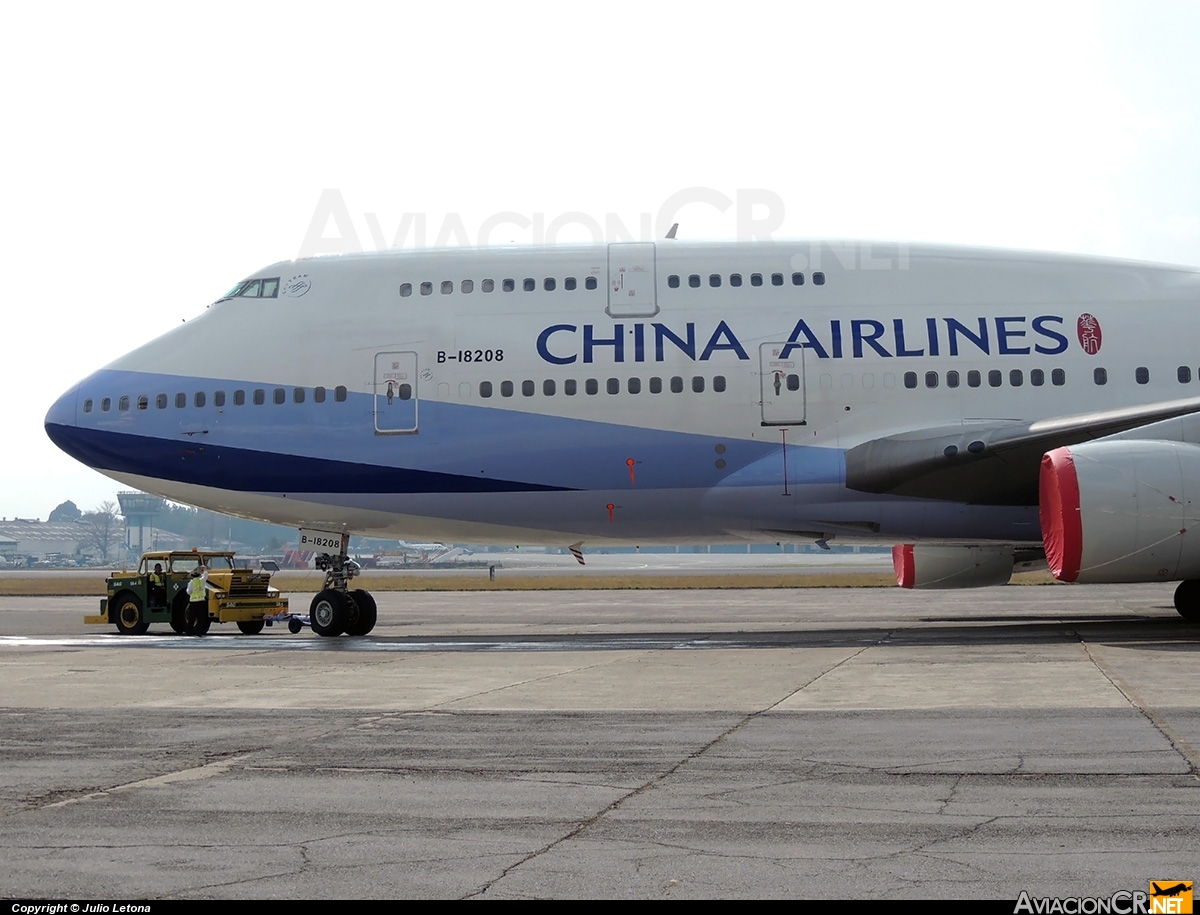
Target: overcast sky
(153,156)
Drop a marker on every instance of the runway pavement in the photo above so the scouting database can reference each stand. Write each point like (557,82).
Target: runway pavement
(631,744)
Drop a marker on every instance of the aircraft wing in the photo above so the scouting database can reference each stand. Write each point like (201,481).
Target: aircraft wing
(989,462)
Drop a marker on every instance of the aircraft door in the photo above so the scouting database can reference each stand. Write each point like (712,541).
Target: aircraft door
(631,280)
(781,375)
(395,393)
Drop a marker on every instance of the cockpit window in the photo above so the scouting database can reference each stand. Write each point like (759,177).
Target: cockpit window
(254,289)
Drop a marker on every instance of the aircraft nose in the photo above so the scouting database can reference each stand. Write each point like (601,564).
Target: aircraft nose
(63,411)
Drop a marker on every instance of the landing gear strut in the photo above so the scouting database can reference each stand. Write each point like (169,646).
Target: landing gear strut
(337,608)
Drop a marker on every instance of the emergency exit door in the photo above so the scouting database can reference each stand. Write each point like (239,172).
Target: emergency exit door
(781,376)
(395,393)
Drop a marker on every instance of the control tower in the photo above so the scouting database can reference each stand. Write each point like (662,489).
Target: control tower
(140,511)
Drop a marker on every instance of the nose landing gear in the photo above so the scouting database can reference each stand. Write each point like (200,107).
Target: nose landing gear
(337,608)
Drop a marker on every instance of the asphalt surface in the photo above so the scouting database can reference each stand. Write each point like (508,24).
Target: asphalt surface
(632,744)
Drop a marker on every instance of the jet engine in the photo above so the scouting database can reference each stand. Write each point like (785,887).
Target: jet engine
(1121,511)
(929,567)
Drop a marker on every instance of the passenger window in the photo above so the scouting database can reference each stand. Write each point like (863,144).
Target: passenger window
(467,286)
(260,397)
(548,284)
(143,402)
(797,279)
(613,386)
(298,395)
(995,378)
(488,285)
(952,379)
(719,384)
(676,384)
(698,384)
(931,379)
(1016,378)
(973,379)
(735,279)
(1100,376)
(673,281)
(123,403)
(755,279)
(714,279)
(1058,377)
(318,394)
(570,387)
(87,406)
(239,398)
(1037,377)
(199,399)
(427,289)
(218,398)
(527,388)
(509,285)
(506,389)
(776,279)
(405,290)
(592,386)
(530,284)
(910,380)
(569,284)
(106,404)
(180,400)
(590,282)
(339,393)
(1142,375)
(485,389)
(548,388)
(818,279)
(160,401)
(694,281)
(279,395)
(655,385)
(447,287)
(1184,374)
(634,386)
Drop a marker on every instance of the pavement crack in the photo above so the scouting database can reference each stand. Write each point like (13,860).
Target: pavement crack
(1189,754)
(666,773)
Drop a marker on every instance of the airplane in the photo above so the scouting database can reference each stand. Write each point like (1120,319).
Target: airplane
(977,409)
(1170,890)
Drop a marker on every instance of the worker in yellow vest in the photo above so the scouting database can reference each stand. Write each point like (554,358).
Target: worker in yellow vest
(197,612)
(158,588)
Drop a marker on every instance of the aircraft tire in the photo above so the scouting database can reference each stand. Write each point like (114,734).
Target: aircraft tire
(328,612)
(130,616)
(367,613)
(251,627)
(1187,600)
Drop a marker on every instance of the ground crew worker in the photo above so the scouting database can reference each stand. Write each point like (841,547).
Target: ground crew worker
(158,588)
(197,611)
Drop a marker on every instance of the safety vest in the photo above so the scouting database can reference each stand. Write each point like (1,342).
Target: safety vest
(196,589)
(156,579)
